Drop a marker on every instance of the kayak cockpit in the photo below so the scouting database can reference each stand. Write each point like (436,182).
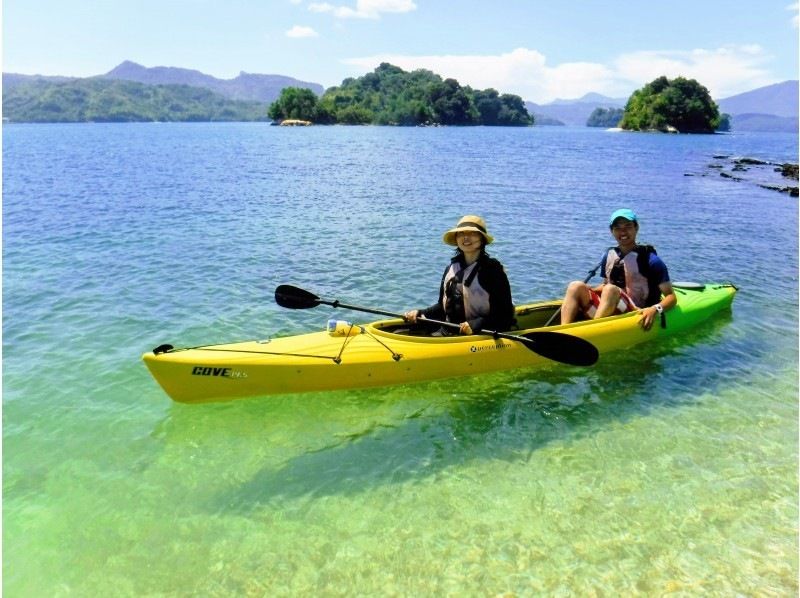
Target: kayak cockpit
(528,317)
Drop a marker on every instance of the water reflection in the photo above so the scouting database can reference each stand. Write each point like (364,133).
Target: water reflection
(347,443)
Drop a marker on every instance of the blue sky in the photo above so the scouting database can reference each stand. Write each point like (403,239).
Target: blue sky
(540,50)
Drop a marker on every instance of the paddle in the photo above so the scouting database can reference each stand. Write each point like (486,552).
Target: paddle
(589,276)
(557,346)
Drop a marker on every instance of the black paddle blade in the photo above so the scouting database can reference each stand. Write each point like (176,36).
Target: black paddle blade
(294,298)
(565,348)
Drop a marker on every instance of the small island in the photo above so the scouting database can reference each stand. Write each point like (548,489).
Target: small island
(391,96)
(672,106)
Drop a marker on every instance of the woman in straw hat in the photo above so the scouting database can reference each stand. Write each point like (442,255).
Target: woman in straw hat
(475,292)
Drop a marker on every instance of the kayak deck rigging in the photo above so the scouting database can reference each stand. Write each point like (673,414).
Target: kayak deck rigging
(225,348)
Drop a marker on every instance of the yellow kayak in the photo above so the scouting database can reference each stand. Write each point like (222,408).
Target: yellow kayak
(389,352)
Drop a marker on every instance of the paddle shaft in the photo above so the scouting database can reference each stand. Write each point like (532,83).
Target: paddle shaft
(426,320)
(557,346)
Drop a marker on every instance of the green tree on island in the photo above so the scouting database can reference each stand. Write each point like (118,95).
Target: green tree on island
(296,103)
(605,117)
(680,103)
(391,96)
(500,110)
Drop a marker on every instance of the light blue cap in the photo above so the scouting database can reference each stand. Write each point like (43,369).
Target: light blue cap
(623,213)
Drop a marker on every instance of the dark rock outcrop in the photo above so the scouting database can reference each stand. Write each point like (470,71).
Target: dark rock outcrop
(762,173)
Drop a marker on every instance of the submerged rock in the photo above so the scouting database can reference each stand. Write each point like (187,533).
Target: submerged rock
(792,191)
(762,173)
(752,161)
(788,170)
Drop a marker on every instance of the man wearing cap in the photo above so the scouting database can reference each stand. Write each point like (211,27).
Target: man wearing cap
(634,278)
(475,292)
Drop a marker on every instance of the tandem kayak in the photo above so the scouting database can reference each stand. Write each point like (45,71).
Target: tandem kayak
(389,352)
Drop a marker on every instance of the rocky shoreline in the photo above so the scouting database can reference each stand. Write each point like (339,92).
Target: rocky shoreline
(765,174)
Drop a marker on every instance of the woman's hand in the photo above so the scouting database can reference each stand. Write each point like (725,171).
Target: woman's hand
(465,328)
(411,316)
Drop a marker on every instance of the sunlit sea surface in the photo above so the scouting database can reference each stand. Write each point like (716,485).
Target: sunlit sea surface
(669,469)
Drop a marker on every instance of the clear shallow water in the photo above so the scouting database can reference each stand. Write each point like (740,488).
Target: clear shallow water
(668,469)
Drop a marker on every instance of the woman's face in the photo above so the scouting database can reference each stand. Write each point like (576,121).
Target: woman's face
(469,241)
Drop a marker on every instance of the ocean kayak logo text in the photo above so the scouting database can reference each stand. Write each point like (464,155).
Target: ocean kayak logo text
(200,370)
(495,347)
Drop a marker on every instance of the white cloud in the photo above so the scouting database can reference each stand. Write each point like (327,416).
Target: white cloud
(300,31)
(795,8)
(365,9)
(724,71)
(522,66)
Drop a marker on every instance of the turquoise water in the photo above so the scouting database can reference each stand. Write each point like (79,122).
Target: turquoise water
(667,469)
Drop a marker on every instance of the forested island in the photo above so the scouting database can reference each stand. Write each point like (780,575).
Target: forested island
(391,96)
(679,105)
(104,100)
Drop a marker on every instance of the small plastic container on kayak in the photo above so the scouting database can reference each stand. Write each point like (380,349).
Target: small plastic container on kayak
(342,328)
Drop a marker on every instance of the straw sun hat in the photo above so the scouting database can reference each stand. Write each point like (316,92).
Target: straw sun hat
(468,223)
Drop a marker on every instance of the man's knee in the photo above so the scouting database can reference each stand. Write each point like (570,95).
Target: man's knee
(611,292)
(576,288)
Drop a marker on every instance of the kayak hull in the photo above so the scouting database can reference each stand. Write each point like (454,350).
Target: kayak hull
(381,354)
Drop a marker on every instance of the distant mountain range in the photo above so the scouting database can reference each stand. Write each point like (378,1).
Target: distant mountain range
(247,86)
(778,100)
(770,108)
(96,99)
(572,112)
